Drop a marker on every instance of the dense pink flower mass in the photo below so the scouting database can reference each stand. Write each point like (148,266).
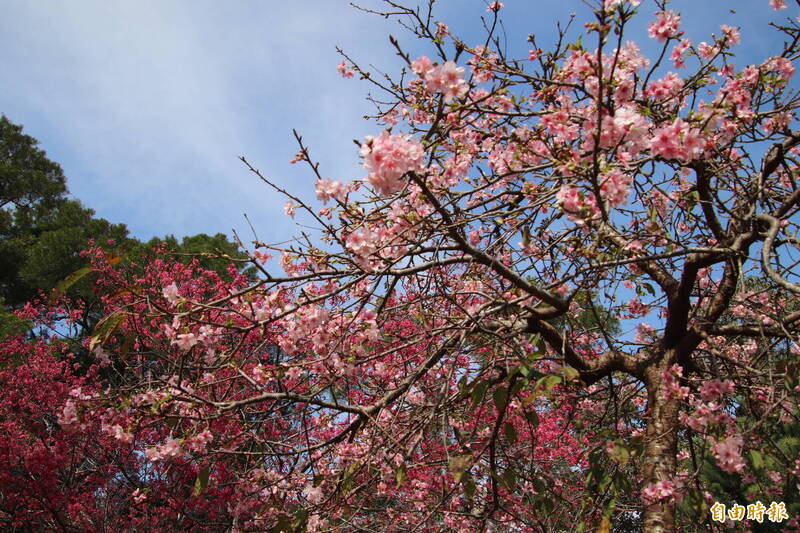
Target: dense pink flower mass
(446,79)
(566,301)
(388,158)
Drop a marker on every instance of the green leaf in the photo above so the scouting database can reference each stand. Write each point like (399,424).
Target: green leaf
(400,474)
(300,521)
(68,282)
(649,288)
(458,465)
(756,459)
(515,388)
(577,45)
(105,329)
(620,453)
(570,374)
(349,476)
(500,398)
(478,393)
(510,432)
(283,525)
(469,485)
(653,214)
(546,383)
(509,479)
(693,200)
(201,482)
(695,501)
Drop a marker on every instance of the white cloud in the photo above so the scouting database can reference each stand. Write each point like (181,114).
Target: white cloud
(147,105)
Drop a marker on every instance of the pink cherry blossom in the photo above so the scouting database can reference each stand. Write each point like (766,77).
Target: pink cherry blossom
(562,261)
(344,70)
(610,4)
(185,341)
(676,55)
(362,243)
(327,189)
(732,35)
(662,490)
(446,79)
(422,66)
(171,293)
(727,452)
(388,158)
(615,187)
(714,389)
(665,26)
(68,417)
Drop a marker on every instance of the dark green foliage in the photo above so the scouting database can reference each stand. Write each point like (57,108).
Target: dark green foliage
(41,230)
(10,324)
(28,179)
(47,250)
(42,233)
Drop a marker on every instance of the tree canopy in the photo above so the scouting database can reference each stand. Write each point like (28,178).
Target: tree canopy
(562,298)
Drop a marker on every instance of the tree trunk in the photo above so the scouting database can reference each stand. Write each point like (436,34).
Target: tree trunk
(661,443)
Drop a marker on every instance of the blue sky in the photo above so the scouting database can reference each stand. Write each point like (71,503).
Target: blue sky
(148,104)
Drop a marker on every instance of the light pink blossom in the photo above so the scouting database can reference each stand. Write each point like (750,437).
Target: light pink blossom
(185,341)
(171,293)
(732,35)
(344,70)
(714,389)
(327,189)
(665,26)
(388,158)
(610,4)
(448,80)
(662,490)
(728,454)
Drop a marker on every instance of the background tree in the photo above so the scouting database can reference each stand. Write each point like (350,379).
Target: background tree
(43,232)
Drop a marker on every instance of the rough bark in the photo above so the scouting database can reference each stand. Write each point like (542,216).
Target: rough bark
(661,441)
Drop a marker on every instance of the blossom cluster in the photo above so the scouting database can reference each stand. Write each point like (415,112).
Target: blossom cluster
(446,79)
(388,158)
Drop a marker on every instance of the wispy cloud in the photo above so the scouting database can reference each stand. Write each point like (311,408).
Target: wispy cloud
(147,104)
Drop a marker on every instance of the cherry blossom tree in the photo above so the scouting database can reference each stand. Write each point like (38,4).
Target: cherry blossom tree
(561,299)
